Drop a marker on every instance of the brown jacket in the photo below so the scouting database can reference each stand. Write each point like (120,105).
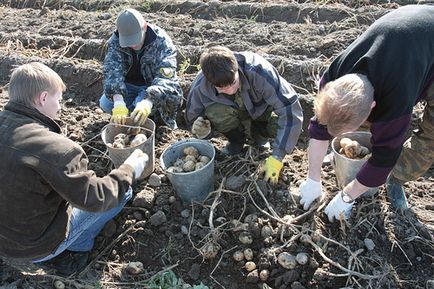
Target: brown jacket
(43,174)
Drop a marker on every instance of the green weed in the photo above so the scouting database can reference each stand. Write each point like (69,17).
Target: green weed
(168,280)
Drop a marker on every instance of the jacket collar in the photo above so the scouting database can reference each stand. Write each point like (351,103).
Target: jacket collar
(33,113)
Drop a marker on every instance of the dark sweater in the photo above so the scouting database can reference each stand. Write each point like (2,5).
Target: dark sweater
(396,53)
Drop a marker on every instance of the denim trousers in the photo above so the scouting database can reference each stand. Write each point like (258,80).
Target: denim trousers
(135,94)
(84,227)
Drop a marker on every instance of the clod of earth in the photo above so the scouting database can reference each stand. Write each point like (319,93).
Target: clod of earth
(134,268)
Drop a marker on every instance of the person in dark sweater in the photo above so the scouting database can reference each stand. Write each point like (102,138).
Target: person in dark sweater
(378,79)
(51,205)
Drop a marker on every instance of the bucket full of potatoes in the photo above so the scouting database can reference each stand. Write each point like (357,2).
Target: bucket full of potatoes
(122,140)
(350,152)
(189,166)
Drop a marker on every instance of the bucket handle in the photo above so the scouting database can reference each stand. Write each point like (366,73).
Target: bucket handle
(129,126)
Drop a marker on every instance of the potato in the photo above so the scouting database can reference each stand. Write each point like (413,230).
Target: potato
(190,158)
(250,266)
(122,138)
(209,250)
(344,142)
(302,258)
(138,139)
(198,166)
(352,149)
(189,166)
(174,169)
(264,274)
(179,163)
(238,256)
(204,159)
(191,151)
(118,145)
(248,254)
(286,260)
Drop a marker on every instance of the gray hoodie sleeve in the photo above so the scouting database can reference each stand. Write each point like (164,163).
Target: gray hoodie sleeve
(194,107)
(278,93)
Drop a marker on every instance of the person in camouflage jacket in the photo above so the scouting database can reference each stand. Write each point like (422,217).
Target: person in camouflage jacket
(140,72)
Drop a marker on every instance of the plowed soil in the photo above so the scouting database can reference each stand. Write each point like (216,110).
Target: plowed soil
(161,231)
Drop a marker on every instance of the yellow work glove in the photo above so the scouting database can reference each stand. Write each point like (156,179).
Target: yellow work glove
(119,112)
(141,112)
(272,169)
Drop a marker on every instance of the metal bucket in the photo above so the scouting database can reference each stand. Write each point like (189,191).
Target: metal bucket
(191,186)
(119,155)
(345,168)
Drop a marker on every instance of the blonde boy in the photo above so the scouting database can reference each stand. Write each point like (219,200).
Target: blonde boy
(52,207)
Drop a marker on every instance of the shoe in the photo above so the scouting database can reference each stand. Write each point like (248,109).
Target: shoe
(261,142)
(67,263)
(235,143)
(231,149)
(396,194)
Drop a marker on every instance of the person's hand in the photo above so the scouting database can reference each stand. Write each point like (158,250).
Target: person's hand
(337,206)
(119,112)
(141,112)
(201,127)
(272,169)
(138,160)
(310,190)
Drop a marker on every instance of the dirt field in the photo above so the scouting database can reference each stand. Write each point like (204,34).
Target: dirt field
(160,231)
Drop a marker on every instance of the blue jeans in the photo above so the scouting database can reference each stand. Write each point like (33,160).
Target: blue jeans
(135,94)
(84,227)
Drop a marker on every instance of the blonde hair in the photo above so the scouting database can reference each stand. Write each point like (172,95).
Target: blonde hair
(29,80)
(344,103)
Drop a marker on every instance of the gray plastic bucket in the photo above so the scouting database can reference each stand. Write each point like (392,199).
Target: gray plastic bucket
(346,169)
(119,155)
(191,186)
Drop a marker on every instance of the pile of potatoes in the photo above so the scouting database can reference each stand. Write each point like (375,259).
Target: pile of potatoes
(353,149)
(192,161)
(129,139)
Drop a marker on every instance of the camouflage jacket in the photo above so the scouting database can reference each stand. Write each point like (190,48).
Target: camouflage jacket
(158,67)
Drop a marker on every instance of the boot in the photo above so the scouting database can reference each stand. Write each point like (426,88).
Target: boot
(67,263)
(235,143)
(396,194)
(260,136)
(261,142)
